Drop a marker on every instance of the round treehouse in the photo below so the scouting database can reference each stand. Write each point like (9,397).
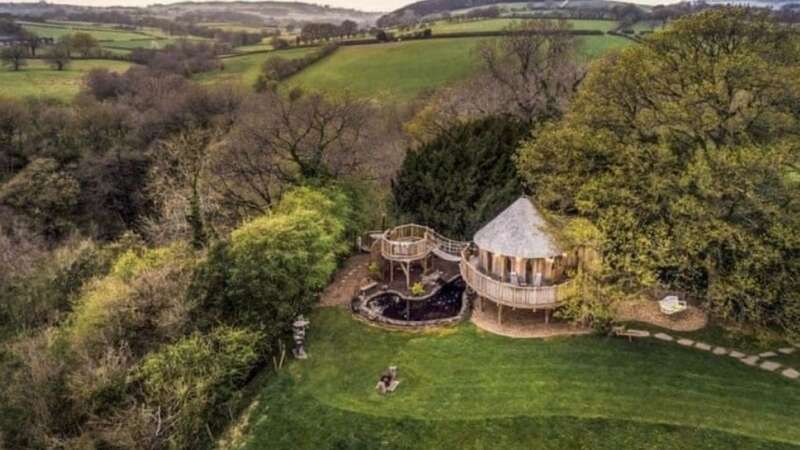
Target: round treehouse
(515,263)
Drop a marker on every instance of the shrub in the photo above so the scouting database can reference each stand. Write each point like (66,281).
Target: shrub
(273,267)
(375,272)
(417,290)
(141,303)
(190,382)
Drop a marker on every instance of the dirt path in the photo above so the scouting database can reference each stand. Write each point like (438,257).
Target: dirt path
(347,281)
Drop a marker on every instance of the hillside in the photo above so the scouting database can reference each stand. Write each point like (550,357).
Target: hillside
(434,9)
(256,13)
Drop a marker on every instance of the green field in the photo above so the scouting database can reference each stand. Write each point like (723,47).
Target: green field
(402,70)
(101,34)
(39,80)
(231,26)
(116,41)
(501,24)
(246,68)
(465,389)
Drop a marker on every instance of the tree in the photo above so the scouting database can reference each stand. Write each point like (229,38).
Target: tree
(43,192)
(348,28)
(58,56)
(83,43)
(681,152)
(462,178)
(14,56)
(534,67)
(282,141)
(32,40)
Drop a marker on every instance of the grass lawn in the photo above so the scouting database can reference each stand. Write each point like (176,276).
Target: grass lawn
(246,68)
(40,80)
(402,70)
(501,24)
(462,388)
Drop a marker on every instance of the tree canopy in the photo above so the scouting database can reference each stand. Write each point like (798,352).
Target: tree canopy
(461,179)
(681,151)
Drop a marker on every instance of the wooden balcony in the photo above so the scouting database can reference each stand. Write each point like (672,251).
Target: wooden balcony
(405,243)
(529,297)
(413,242)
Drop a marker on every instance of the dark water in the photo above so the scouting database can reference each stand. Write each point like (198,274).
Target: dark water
(445,304)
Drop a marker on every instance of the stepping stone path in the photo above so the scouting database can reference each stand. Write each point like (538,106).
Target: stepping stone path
(791,374)
(663,337)
(750,361)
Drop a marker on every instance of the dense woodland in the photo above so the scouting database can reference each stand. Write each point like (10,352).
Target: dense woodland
(157,237)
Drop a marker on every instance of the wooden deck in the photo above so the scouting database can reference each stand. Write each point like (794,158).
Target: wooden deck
(413,242)
(529,297)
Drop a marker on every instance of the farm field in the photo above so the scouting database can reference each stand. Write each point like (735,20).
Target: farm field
(462,388)
(40,80)
(114,40)
(501,24)
(100,33)
(402,70)
(246,68)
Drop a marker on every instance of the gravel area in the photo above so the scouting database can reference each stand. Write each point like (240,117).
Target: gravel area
(692,319)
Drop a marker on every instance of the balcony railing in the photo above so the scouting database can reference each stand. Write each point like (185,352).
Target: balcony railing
(412,242)
(405,243)
(506,293)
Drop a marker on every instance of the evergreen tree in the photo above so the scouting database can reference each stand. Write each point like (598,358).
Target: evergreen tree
(461,179)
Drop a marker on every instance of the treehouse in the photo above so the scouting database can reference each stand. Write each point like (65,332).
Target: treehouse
(515,263)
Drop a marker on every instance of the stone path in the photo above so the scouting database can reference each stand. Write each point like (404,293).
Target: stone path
(347,281)
(761,360)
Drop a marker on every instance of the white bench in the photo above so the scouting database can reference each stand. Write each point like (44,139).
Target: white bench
(671,305)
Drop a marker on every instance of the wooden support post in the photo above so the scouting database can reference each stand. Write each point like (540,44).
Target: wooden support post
(500,313)
(547,316)
(407,269)
(408,310)
(391,271)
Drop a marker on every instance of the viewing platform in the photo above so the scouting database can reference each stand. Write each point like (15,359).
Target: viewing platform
(505,292)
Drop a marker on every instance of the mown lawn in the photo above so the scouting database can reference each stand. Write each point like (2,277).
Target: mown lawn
(245,69)
(501,24)
(38,79)
(462,388)
(400,71)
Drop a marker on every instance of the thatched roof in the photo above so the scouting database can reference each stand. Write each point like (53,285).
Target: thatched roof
(518,231)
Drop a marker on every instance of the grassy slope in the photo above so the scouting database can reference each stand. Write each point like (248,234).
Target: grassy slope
(462,388)
(39,80)
(101,34)
(500,24)
(245,69)
(402,70)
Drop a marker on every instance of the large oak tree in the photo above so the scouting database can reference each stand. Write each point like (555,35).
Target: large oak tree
(683,152)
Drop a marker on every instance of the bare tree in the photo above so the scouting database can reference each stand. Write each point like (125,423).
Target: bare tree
(281,141)
(534,67)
